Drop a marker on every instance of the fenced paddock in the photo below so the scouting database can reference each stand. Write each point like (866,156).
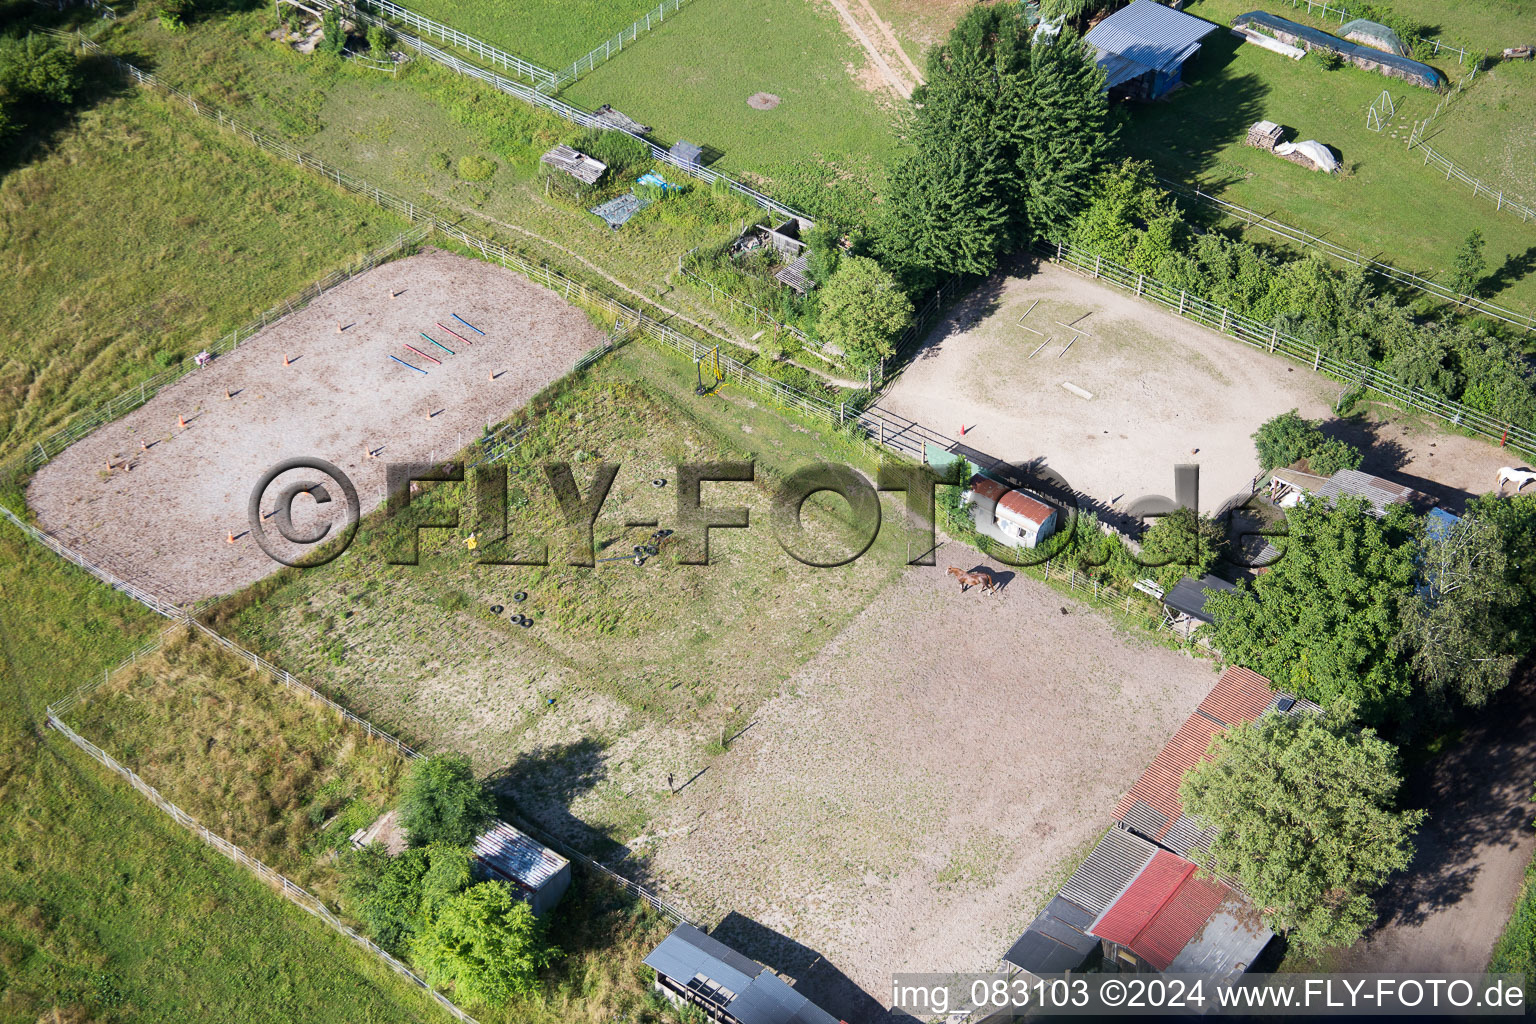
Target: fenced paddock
(162,516)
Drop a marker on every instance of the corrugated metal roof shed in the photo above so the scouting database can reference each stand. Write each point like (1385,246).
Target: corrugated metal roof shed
(1161,910)
(1382,494)
(518,857)
(1146,36)
(1019,504)
(1240,695)
(1229,942)
(742,988)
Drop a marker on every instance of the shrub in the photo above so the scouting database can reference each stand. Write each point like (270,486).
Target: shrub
(624,154)
(39,67)
(333,40)
(1288,437)
(476,168)
(486,943)
(441,162)
(378,42)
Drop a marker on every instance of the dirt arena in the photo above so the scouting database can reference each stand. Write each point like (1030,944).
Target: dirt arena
(162,516)
(1163,391)
(917,790)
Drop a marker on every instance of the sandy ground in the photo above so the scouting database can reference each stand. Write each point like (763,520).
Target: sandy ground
(1446,912)
(1164,391)
(906,804)
(162,517)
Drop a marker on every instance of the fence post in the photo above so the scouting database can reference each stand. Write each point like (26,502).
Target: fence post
(1182,293)
(1317,359)
(1097,261)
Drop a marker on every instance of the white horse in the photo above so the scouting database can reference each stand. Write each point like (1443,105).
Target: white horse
(1518,477)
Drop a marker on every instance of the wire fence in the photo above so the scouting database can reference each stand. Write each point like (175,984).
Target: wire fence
(1269,338)
(609,47)
(291,891)
(576,115)
(1440,162)
(1253,219)
(541,77)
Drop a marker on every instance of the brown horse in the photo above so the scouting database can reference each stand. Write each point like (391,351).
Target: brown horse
(973,579)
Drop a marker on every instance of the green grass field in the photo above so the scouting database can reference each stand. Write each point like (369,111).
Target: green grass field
(692,77)
(123,252)
(552,33)
(1385,203)
(618,669)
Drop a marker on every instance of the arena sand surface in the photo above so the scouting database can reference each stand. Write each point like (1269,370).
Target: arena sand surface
(918,790)
(162,517)
(1164,391)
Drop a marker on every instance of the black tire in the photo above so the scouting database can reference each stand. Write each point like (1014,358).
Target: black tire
(496,609)
(660,481)
(526,622)
(520,596)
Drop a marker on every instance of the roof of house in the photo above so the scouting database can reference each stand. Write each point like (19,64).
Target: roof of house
(517,857)
(1161,910)
(737,984)
(1382,494)
(1188,596)
(1016,503)
(1146,36)
(1152,808)
(1058,940)
(583,168)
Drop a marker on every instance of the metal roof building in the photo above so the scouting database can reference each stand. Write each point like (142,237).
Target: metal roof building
(1188,596)
(1142,48)
(1288,485)
(1170,919)
(539,874)
(1058,940)
(693,968)
(1152,809)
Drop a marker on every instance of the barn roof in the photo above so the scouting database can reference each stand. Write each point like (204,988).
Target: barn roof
(737,984)
(1058,940)
(517,857)
(1018,504)
(1161,910)
(1152,808)
(1146,36)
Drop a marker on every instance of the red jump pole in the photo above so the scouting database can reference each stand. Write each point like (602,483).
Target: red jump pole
(456,334)
(423,355)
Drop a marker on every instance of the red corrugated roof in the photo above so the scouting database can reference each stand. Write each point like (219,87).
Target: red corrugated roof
(1239,695)
(1161,910)
(1017,502)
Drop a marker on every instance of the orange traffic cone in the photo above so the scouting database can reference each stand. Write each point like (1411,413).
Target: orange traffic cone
(181,421)
(227,395)
(285,359)
(231,538)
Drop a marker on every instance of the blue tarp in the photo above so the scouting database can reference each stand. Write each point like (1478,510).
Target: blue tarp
(1402,67)
(652,178)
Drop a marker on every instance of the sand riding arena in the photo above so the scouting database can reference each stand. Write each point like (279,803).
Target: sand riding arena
(389,362)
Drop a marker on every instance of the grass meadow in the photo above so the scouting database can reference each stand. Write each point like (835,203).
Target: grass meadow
(834,131)
(628,673)
(123,252)
(1385,202)
(552,33)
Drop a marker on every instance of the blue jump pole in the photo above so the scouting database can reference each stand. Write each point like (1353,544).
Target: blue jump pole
(402,362)
(466,323)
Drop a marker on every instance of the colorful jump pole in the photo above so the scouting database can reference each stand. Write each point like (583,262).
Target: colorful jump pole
(456,334)
(466,323)
(439,344)
(423,355)
(402,362)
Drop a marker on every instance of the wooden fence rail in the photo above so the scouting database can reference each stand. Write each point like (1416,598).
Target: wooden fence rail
(540,77)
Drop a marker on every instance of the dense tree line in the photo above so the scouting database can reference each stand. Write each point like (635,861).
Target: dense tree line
(1341,310)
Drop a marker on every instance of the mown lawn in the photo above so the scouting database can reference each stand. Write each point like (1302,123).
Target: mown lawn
(835,129)
(1385,202)
(552,33)
(139,234)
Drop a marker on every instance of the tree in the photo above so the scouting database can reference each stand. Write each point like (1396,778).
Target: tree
(486,943)
(384,893)
(448,874)
(1468,624)
(1303,807)
(443,802)
(378,42)
(333,38)
(1322,623)
(1126,200)
(1288,437)
(863,311)
(38,68)
(1182,543)
(1467,270)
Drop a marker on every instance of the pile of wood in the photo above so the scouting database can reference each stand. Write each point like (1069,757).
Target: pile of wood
(1519,53)
(1265,135)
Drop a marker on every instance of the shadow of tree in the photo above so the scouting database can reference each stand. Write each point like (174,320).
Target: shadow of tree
(1515,269)
(540,786)
(814,976)
(42,123)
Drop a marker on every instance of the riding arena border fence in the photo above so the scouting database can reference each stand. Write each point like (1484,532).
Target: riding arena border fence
(1267,337)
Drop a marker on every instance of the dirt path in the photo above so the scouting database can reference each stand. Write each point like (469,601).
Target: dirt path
(1447,910)
(898,82)
(884,28)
